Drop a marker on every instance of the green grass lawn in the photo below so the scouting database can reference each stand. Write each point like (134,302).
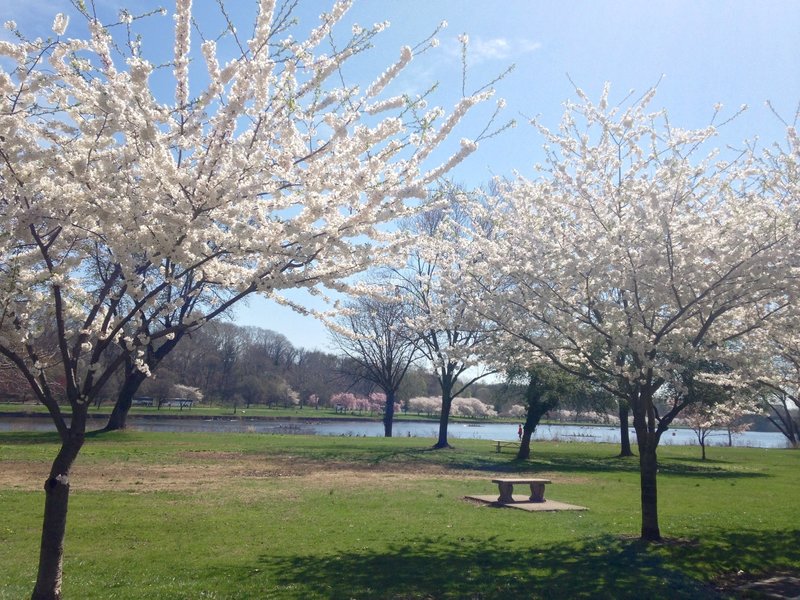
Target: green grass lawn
(265,516)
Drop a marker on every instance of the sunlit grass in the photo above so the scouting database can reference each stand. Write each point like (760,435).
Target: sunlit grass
(155,516)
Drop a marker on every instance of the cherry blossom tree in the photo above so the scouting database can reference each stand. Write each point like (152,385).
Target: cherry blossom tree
(180,390)
(516,411)
(776,373)
(377,403)
(777,369)
(713,400)
(129,218)
(472,407)
(448,334)
(13,386)
(347,401)
(428,405)
(727,413)
(636,253)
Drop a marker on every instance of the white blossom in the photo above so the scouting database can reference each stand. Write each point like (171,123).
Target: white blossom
(634,255)
(134,219)
(60,24)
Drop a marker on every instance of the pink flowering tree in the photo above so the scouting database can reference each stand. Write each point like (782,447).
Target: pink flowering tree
(347,401)
(131,216)
(312,400)
(378,403)
(637,252)
(428,405)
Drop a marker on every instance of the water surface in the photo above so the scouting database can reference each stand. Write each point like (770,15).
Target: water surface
(420,429)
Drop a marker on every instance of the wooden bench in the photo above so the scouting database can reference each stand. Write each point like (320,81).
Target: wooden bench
(503,443)
(506,486)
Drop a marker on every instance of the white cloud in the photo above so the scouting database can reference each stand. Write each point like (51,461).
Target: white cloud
(501,48)
(495,49)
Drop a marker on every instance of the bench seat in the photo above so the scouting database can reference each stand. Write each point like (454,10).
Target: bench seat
(506,487)
(499,444)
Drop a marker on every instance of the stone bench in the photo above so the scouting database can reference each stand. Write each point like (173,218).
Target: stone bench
(506,486)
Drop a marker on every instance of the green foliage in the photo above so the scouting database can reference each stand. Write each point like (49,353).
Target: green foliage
(394,524)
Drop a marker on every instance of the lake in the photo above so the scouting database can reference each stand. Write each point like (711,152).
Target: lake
(420,429)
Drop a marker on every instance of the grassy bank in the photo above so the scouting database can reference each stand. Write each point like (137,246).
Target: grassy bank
(264,516)
(254,412)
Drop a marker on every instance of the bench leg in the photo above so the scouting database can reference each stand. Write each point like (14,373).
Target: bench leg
(537,492)
(506,492)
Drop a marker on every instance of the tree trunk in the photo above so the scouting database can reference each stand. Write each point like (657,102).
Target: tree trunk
(537,407)
(648,471)
(388,415)
(444,419)
(525,443)
(119,415)
(624,430)
(56,488)
(795,437)
(133,379)
(539,402)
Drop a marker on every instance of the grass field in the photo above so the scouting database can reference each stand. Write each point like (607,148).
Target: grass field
(265,516)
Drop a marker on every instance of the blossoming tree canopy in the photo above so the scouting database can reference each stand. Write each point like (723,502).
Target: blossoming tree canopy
(635,254)
(775,372)
(273,175)
(129,215)
(633,245)
(449,335)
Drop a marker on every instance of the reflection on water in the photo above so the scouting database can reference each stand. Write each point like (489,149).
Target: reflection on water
(427,429)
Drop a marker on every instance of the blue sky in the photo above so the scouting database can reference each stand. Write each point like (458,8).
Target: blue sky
(732,52)
(729,51)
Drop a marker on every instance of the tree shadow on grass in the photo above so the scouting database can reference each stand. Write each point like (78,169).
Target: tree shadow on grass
(605,567)
(29,437)
(572,463)
(575,464)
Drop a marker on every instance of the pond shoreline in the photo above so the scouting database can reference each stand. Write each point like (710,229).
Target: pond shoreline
(434,420)
(188,414)
(373,427)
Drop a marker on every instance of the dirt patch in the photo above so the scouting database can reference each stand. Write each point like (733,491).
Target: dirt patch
(215,470)
(25,475)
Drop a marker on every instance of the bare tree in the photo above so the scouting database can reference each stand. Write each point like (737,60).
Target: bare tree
(373,335)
